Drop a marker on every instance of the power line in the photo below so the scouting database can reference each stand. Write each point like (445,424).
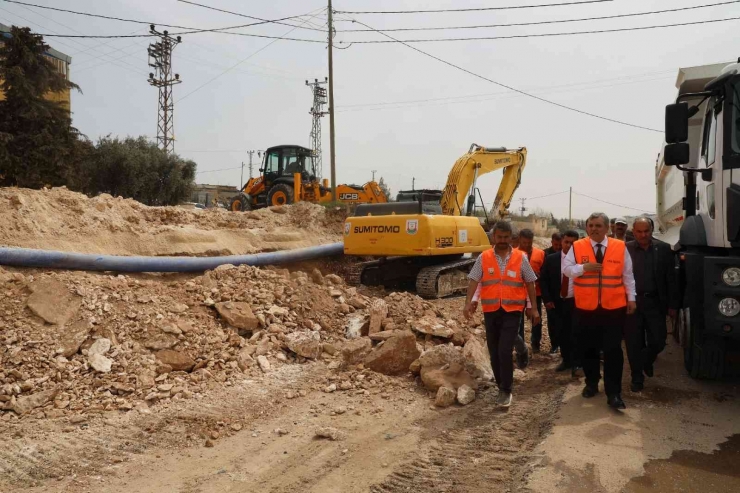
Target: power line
(249,16)
(548,195)
(612,203)
(216,170)
(479,9)
(218,31)
(544,35)
(511,88)
(561,21)
(312,13)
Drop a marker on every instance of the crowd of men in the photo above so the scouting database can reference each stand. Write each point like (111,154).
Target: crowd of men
(613,285)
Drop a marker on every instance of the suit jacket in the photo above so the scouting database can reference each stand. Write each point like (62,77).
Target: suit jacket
(664,272)
(550,278)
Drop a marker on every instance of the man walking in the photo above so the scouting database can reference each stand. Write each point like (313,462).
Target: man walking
(556,244)
(604,292)
(536,259)
(557,295)
(620,230)
(657,295)
(506,279)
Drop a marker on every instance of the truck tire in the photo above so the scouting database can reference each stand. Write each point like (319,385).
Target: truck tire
(240,203)
(280,194)
(707,361)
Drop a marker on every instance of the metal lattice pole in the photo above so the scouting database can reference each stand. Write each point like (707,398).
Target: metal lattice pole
(160,58)
(317,111)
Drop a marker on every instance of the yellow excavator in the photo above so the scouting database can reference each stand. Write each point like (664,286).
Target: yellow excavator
(423,237)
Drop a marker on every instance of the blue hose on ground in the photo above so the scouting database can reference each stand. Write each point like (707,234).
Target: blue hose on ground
(48,259)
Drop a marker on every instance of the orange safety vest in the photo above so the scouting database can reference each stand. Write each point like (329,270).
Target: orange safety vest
(605,288)
(537,260)
(500,289)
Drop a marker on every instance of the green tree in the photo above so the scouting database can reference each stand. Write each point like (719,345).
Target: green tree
(135,168)
(384,187)
(38,144)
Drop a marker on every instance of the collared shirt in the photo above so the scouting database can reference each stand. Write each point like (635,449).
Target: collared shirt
(571,269)
(570,282)
(644,269)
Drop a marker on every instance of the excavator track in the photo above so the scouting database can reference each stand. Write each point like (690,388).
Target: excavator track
(445,279)
(354,276)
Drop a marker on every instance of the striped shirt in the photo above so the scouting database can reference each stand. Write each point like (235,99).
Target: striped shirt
(476,273)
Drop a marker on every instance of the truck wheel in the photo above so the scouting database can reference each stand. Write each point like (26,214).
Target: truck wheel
(708,359)
(240,203)
(684,334)
(280,194)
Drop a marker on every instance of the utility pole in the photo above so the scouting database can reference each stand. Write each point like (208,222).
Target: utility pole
(413,183)
(570,206)
(523,209)
(373,172)
(332,149)
(241,177)
(251,154)
(160,58)
(317,111)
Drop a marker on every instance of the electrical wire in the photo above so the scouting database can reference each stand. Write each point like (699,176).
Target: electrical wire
(312,13)
(249,16)
(537,23)
(612,203)
(216,170)
(545,35)
(548,195)
(478,9)
(511,88)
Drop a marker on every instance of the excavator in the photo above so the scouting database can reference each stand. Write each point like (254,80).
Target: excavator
(424,237)
(288,175)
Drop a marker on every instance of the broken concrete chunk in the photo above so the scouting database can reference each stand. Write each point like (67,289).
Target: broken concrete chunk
(100,346)
(432,327)
(306,344)
(178,360)
(52,301)
(395,356)
(465,395)
(445,397)
(100,363)
(237,314)
(29,402)
(353,352)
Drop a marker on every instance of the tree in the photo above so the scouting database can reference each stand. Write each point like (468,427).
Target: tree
(135,168)
(38,144)
(384,187)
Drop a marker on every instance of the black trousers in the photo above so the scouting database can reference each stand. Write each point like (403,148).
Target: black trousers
(566,332)
(536,336)
(501,332)
(554,322)
(602,330)
(645,334)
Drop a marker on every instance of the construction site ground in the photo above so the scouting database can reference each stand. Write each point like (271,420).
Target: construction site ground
(154,383)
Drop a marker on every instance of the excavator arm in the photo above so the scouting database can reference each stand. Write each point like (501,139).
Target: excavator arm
(458,197)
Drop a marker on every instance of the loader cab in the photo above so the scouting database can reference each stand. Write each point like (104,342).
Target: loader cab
(281,162)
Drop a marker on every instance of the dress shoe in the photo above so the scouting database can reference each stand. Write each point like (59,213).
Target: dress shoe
(615,401)
(648,370)
(522,360)
(636,387)
(589,391)
(562,366)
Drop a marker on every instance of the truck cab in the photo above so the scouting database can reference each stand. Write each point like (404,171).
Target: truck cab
(698,204)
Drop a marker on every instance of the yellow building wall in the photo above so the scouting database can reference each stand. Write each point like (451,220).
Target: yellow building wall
(63,97)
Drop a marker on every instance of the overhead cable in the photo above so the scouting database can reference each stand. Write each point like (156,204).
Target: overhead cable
(475,9)
(279,21)
(511,88)
(612,203)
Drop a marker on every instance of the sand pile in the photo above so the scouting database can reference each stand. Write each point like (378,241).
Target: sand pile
(58,219)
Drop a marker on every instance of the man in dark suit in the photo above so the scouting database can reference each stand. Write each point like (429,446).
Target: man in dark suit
(558,299)
(556,245)
(657,296)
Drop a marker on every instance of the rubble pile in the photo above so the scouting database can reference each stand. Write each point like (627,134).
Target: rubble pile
(76,342)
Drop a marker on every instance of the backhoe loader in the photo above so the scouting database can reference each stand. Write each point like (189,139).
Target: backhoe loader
(288,175)
(422,239)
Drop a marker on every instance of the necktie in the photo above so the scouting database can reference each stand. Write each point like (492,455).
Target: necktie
(599,253)
(564,287)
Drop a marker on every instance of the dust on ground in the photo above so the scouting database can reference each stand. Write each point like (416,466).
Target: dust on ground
(58,219)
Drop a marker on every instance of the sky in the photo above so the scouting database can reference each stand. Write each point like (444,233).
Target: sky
(399,112)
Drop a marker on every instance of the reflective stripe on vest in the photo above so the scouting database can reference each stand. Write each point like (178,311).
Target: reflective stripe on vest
(605,289)
(498,289)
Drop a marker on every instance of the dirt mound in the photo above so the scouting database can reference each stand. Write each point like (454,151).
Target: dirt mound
(58,219)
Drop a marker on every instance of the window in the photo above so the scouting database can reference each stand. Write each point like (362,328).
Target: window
(272,163)
(709,138)
(735,140)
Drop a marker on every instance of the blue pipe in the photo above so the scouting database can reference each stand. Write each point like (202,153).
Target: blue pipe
(48,259)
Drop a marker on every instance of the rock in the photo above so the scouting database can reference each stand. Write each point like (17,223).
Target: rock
(146,379)
(384,335)
(170,327)
(264,364)
(244,359)
(52,301)
(432,327)
(477,361)
(70,337)
(330,349)
(77,419)
(353,329)
(209,443)
(100,346)
(445,397)
(160,341)
(395,356)
(333,278)
(357,303)
(465,395)
(100,363)
(519,374)
(329,433)
(441,355)
(452,376)
(331,388)
(317,277)
(306,343)
(415,367)
(335,293)
(353,352)
(378,311)
(179,308)
(238,314)
(24,404)
(177,360)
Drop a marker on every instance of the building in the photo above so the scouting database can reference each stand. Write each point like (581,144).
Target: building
(539,225)
(60,61)
(206,194)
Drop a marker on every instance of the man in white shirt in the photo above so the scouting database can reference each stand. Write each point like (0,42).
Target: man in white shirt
(604,290)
